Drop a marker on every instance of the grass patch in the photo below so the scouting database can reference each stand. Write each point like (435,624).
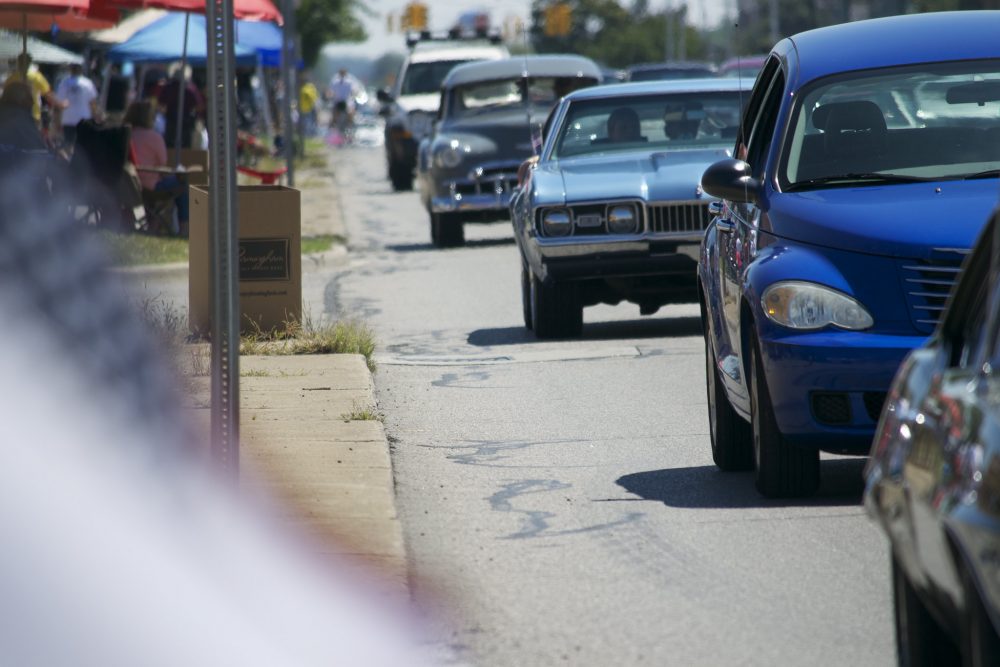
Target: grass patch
(363,413)
(321,243)
(136,249)
(346,337)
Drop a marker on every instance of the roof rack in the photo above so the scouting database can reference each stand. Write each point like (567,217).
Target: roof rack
(455,34)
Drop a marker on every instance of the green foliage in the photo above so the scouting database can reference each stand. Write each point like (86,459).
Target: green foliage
(614,35)
(136,249)
(322,21)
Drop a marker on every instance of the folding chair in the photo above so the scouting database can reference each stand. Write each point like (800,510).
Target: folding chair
(100,182)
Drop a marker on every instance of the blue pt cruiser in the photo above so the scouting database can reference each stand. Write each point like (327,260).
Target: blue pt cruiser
(864,168)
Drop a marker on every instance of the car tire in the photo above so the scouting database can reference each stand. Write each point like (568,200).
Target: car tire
(782,469)
(556,311)
(401,177)
(731,435)
(981,642)
(920,640)
(526,297)
(447,230)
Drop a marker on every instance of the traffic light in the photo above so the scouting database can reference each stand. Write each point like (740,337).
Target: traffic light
(414,16)
(558,19)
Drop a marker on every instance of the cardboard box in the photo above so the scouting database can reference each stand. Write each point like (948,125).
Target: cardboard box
(198,158)
(270,256)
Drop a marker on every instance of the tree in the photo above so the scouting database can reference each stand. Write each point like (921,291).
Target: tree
(610,33)
(322,21)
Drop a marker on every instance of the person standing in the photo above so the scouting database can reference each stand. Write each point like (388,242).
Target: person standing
(308,99)
(78,97)
(194,108)
(343,88)
(25,72)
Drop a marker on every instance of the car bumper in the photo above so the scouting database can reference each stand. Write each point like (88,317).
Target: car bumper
(455,201)
(828,387)
(577,257)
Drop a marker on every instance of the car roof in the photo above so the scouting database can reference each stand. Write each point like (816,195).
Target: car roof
(706,85)
(548,65)
(429,52)
(756,60)
(893,41)
(673,66)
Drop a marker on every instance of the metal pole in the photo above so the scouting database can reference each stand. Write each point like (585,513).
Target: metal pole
(182,86)
(288,63)
(223,238)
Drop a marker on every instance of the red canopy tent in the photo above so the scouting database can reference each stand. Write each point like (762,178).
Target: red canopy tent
(41,15)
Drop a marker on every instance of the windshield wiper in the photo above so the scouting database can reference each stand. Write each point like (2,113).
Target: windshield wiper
(981,174)
(865,177)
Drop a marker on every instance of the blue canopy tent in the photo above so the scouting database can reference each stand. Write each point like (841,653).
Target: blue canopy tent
(163,41)
(262,37)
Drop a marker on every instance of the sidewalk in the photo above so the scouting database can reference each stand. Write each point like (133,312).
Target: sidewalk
(332,474)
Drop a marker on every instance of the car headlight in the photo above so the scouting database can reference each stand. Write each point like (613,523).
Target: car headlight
(802,305)
(623,220)
(450,156)
(557,222)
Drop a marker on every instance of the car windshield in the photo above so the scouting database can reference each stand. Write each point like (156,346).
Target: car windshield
(927,122)
(675,121)
(423,78)
(484,96)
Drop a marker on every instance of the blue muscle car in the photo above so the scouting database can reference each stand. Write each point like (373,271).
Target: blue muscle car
(866,165)
(613,209)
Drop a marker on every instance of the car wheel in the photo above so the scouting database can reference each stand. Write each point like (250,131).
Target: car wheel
(783,470)
(920,641)
(981,643)
(556,311)
(526,296)
(447,230)
(732,439)
(401,177)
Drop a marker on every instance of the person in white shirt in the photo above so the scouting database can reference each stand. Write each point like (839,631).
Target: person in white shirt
(343,89)
(78,95)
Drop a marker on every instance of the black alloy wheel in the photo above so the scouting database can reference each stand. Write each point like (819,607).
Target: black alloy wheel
(920,640)
(732,438)
(782,469)
(556,311)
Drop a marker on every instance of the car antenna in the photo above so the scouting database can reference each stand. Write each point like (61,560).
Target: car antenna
(741,135)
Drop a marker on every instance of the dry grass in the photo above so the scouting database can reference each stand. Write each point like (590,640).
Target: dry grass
(363,413)
(345,337)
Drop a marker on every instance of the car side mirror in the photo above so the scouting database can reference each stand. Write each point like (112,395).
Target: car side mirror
(730,179)
(383,96)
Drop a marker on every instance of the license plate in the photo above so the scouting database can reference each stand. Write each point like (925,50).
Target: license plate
(589,220)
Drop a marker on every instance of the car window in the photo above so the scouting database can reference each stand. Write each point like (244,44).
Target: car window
(674,121)
(426,77)
(514,92)
(755,104)
(762,133)
(931,121)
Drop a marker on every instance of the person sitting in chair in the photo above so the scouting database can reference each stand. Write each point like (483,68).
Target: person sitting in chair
(151,151)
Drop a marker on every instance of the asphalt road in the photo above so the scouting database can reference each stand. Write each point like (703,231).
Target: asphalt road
(559,499)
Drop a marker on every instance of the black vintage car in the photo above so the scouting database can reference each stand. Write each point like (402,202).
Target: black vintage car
(933,478)
(489,115)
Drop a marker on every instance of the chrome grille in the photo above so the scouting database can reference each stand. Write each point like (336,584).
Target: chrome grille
(679,218)
(488,181)
(928,283)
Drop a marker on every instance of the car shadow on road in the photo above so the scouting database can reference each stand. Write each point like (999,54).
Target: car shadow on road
(673,327)
(707,487)
(429,247)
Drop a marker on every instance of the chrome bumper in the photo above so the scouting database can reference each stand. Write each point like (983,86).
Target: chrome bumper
(610,246)
(456,201)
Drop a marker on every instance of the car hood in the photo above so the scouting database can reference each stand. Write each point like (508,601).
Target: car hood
(665,176)
(507,133)
(428,103)
(905,220)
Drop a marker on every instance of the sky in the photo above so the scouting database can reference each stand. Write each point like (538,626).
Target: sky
(443,14)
